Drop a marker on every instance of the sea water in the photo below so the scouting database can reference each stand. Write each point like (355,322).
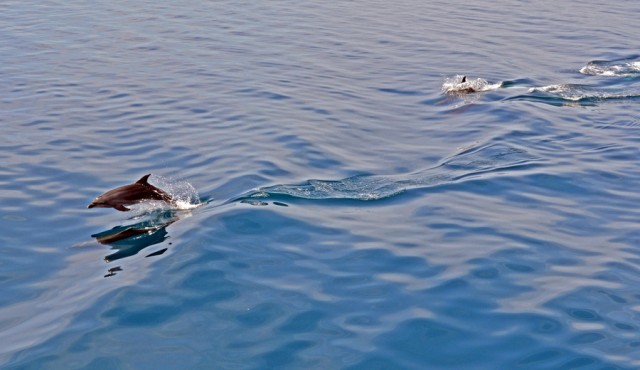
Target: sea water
(344,205)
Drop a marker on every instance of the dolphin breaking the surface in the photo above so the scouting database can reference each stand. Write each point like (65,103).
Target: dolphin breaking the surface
(137,192)
(466,87)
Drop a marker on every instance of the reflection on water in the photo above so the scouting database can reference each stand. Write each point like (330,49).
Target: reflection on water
(130,239)
(404,227)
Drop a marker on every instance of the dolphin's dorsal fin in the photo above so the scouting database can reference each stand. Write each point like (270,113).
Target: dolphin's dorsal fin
(464,79)
(143,180)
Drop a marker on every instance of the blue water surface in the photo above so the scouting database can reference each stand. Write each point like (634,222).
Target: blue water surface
(358,210)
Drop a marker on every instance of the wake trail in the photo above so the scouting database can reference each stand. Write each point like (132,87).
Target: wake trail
(470,164)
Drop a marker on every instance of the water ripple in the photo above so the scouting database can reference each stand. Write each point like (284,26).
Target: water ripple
(514,243)
(470,164)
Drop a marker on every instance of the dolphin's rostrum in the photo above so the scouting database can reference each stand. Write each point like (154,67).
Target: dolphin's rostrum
(134,193)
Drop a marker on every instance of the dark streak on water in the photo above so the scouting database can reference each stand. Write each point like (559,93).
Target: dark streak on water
(353,216)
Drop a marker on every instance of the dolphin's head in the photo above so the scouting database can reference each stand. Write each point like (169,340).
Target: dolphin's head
(99,202)
(102,201)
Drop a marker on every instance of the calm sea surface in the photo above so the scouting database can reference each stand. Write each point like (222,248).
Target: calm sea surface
(353,213)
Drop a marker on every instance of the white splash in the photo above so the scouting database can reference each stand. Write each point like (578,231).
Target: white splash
(565,91)
(575,92)
(186,205)
(602,68)
(460,84)
(185,195)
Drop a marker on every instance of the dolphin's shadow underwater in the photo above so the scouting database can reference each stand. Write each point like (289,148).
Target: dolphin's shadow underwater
(129,240)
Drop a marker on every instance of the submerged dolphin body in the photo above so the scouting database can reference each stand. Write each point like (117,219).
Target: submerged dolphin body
(134,193)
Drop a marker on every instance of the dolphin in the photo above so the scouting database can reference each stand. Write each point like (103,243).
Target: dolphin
(134,193)
(107,238)
(465,87)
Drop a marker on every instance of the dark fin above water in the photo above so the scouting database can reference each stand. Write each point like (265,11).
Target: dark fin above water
(143,180)
(464,79)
